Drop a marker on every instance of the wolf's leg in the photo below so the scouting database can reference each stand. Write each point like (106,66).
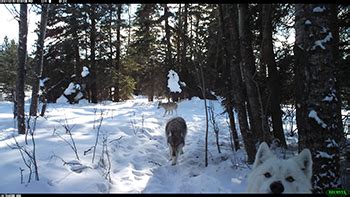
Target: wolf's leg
(174,160)
(170,154)
(182,150)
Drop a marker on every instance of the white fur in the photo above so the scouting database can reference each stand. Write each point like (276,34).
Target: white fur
(298,167)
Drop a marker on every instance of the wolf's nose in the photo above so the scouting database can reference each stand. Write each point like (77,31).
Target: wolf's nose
(276,187)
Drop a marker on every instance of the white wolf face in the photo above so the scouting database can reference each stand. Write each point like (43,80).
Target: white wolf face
(175,131)
(273,175)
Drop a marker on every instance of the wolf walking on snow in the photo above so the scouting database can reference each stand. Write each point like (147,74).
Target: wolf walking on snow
(168,107)
(175,131)
(273,175)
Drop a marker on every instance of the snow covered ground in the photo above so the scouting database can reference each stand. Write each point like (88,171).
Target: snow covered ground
(137,160)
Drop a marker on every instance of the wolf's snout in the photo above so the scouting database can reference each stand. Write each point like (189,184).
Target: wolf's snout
(276,187)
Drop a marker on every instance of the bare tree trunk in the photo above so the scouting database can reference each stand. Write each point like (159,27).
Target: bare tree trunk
(184,62)
(168,58)
(206,113)
(22,53)
(43,109)
(238,86)
(268,58)
(111,52)
(227,75)
(77,67)
(151,90)
(231,117)
(317,94)
(184,35)
(38,69)
(196,61)
(93,60)
(179,36)
(249,73)
(118,62)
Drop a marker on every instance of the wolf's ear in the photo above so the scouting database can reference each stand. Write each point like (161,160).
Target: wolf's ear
(262,154)
(304,159)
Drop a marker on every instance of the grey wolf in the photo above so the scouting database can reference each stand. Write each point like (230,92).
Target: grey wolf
(175,131)
(273,175)
(168,107)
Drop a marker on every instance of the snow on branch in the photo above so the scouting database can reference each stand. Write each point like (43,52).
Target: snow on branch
(313,114)
(331,143)
(324,155)
(330,97)
(307,22)
(318,9)
(72,88)
(85,71)
(42,82)
(319,43)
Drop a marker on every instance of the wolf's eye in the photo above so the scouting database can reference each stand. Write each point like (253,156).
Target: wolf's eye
(290,179)
(267,175)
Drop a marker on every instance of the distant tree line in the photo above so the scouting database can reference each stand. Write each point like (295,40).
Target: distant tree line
(242,49)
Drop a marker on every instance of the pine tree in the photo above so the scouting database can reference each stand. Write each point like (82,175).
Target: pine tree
(268,60)
(143,49)
(249,74)
(238,88)
(91,10)
(317,95)
(227,92)
(62,56)
(8,64)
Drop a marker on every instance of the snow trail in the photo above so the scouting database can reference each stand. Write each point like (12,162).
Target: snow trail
(138,152)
